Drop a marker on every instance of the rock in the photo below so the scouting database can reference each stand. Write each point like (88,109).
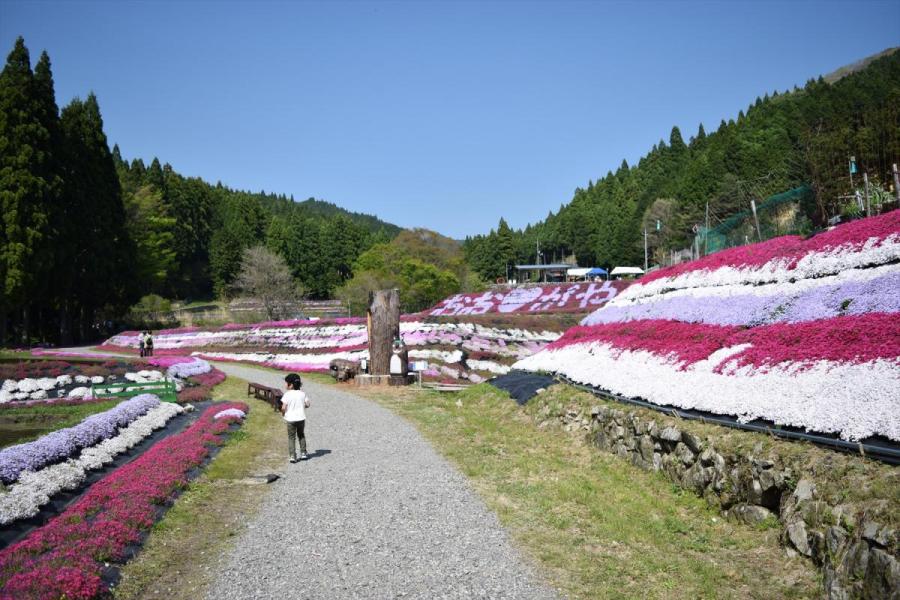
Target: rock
(763,464)
(595,412)
(805,490)
(882,579)
(697,478)
(796,533)
(869,531)
(834,590)
(856,562)
(691,441)
(755,492)
(684,454)
(817,546)
(707,457)
(657,461)
(835,538)
(670,434)
(770,479)
(846,515)
(750,514)
(646,447)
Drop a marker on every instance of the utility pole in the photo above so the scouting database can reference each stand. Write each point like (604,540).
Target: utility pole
(645,249)
(896,182)
(756,219)
(537,245)
(868,202)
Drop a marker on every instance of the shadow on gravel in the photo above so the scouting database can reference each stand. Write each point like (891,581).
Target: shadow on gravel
(318,453)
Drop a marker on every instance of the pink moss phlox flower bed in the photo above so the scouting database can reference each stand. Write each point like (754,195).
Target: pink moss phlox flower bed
(850,339)
(803,333)
(550,298)
(66,557)
(68,354)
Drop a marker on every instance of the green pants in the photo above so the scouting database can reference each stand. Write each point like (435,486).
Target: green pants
(295,429)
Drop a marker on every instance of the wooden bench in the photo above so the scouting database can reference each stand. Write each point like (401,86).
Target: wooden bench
(266,393)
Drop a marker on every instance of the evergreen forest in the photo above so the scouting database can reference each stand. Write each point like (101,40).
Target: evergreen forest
(86,233)
(782,141)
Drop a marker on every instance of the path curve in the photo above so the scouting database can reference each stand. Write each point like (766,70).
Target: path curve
(375,513)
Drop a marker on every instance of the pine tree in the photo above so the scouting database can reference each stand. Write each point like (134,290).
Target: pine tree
(27,182)
(94,200)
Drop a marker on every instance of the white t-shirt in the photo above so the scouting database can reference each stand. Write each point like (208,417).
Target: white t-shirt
(295,401)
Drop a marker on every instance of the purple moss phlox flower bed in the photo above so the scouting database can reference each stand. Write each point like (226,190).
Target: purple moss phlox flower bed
(61,444)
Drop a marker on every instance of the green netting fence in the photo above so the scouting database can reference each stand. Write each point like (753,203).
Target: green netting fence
(781,214)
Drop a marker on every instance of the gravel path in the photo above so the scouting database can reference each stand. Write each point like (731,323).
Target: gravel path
(374,513)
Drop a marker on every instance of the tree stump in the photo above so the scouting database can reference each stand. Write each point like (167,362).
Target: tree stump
(383,327)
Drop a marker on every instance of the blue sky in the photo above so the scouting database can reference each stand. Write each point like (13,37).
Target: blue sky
(439,115)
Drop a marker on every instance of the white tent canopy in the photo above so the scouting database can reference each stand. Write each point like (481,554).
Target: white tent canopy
(627,271)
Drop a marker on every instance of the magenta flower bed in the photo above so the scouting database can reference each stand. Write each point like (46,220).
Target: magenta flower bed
(65,557)
(550,298)
(849,339)
(789,248)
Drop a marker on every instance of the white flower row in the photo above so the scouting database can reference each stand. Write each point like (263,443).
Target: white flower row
(183,370)
(512,334)
(447,356)
(39,388)
(853,400)
(327,336)
(287,360)
(813,265)
(488,365)
(301,336)
(24,498)
(230,412)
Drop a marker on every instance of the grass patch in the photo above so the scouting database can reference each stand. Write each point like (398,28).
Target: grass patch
(596,526)
(177,559)
(27,423)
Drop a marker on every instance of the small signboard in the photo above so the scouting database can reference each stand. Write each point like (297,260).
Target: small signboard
(418,365)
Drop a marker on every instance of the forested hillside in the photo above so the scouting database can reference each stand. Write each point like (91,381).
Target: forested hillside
(86,233)
(425,266)
(782,141)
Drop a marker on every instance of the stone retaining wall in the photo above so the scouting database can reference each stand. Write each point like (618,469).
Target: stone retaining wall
(858,556)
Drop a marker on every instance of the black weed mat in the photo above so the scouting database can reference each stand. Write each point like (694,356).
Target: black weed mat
(14,532)
(522,386)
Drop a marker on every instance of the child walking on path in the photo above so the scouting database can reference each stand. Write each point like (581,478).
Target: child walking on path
(293,406)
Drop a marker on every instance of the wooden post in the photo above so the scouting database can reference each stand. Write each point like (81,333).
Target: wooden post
(896,181)
(384,327)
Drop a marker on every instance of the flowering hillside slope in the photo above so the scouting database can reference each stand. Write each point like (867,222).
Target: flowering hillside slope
(803,333)
(461,350)
(550,298)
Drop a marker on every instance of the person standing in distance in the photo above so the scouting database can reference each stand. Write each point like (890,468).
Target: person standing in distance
(293,406)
